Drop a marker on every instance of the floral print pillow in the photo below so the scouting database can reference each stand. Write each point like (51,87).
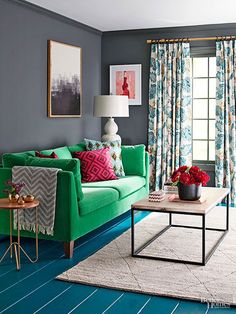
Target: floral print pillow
(115,153)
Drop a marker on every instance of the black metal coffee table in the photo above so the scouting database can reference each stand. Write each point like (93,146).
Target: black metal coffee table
(213,197)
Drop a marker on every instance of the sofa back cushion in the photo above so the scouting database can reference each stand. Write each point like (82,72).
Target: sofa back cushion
(77,147)
(10,160)
(133,158)
(72,165)
(61,152)
(96,165)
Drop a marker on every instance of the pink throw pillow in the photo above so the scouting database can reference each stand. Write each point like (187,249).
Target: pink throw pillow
(96,165)
(52,155)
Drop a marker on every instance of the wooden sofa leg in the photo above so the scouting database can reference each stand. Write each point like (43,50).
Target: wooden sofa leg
(68,249)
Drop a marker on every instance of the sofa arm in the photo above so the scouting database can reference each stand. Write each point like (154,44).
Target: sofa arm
(66,224)
(5,174)
(67,214)
(133,159)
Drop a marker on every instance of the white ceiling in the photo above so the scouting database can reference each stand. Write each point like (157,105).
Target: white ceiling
(109,15)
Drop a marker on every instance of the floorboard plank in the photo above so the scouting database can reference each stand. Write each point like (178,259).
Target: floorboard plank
(98,302)
(222,310)
(187,307)
(28,269)
(65,302)
(160,305)
(130,303)
(38,297)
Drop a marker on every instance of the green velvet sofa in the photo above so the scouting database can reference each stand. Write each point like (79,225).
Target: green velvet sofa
(83,207)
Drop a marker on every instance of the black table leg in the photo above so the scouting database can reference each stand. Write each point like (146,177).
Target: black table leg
(170,219)
(132,231)
(203,239)
(227,212)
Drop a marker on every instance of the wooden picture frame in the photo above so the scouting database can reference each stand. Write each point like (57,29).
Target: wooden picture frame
(126,80)
(64,80)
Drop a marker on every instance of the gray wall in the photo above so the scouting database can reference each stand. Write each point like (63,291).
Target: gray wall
(124,47)
(24,31)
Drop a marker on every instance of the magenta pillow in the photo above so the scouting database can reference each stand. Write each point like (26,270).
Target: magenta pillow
(52,155)
(96,165)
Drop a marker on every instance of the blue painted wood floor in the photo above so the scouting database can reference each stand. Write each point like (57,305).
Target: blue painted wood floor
(34,290)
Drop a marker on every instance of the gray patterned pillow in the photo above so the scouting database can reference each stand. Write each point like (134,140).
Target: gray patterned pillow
(115,152)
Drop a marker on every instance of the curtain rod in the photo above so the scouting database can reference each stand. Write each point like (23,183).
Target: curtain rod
(153,41)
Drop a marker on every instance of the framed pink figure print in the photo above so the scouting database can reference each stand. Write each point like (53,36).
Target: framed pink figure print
(126,80)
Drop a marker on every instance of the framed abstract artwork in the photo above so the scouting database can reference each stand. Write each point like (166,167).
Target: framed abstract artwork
(126,80)
(64,80)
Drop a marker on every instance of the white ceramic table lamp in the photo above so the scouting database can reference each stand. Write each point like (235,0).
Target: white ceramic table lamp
(111,106)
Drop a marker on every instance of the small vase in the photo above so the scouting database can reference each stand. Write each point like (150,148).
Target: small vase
(190,192)
(13,198)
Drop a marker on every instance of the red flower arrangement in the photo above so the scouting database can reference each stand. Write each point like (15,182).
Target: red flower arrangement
(190,175)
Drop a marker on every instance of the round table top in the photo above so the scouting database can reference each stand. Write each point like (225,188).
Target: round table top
(4,203)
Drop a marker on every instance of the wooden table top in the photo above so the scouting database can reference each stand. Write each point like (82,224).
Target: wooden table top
(213,197)
(4,203)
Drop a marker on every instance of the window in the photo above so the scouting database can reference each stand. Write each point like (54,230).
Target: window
(204,102)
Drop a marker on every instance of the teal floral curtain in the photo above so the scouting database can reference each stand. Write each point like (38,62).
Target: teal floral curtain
(170,110)
(225,141)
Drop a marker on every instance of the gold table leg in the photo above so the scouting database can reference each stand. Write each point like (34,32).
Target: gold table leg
(11,233)
(18,238)
(17,257)
(36,241)
(17,246)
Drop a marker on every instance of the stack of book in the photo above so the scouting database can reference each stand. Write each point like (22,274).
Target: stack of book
(170,189)
(156,196)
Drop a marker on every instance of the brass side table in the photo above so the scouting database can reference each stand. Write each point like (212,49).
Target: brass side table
(5,204)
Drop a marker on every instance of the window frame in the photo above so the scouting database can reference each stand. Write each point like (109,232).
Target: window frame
(206,164)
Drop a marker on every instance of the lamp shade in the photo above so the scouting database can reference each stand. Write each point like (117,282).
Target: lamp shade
(111,106)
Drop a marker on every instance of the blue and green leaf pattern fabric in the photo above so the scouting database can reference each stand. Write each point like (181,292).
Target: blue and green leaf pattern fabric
(170,110)
(225,141)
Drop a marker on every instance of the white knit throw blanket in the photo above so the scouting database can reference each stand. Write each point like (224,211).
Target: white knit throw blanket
(42,183)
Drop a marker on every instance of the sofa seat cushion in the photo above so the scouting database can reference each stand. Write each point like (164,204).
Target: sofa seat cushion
(95,198)
(124,185)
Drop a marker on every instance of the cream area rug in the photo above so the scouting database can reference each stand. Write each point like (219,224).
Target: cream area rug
(113,267)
